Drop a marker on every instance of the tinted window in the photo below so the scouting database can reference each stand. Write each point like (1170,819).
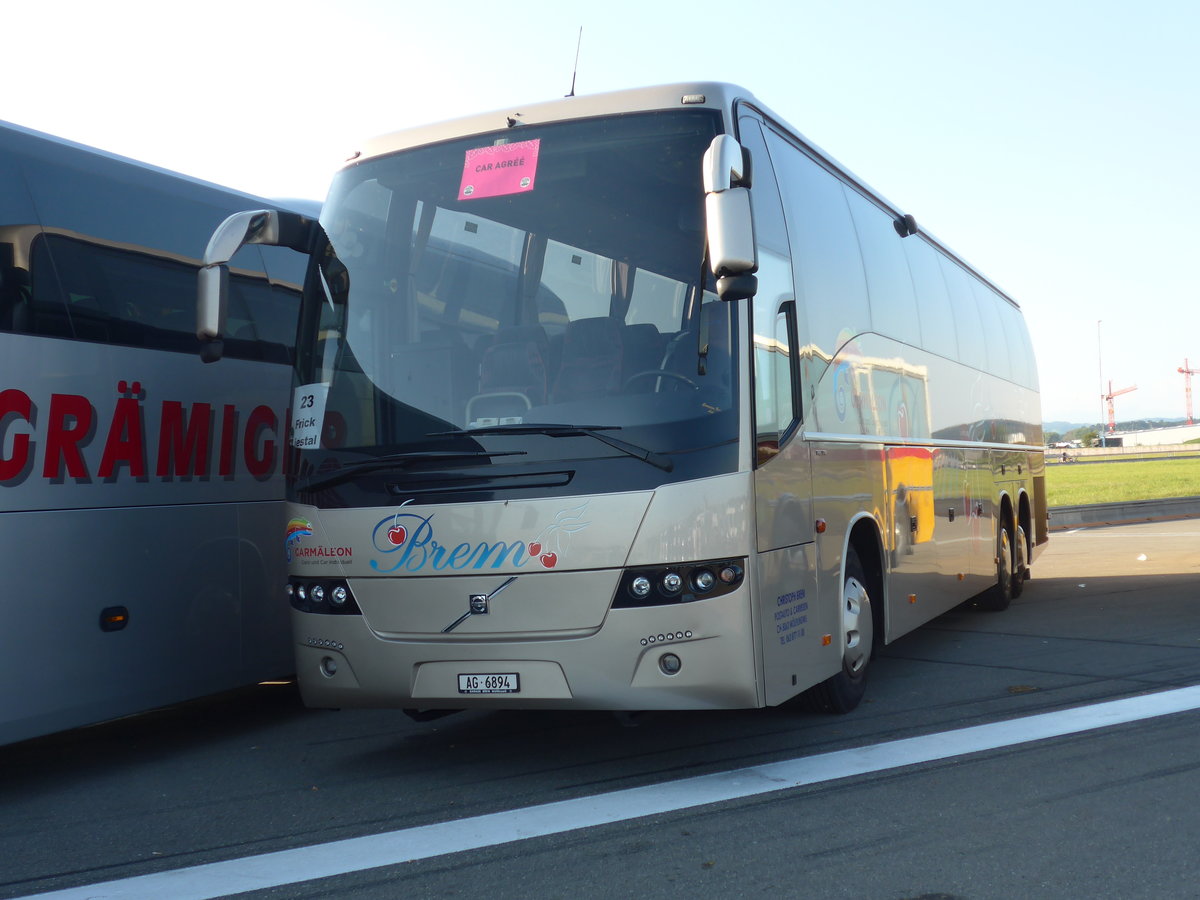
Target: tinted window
(114,295)
(578,295)
(933,301)
(776,405)
(1024,367)
(999,354)
(17,220)
(893,302)
(829,275)
(971,348)
(656,301)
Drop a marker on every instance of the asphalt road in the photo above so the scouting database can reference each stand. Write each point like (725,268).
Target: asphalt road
(1108,812)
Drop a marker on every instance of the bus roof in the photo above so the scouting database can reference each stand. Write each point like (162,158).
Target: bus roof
(37,143)
(719,96)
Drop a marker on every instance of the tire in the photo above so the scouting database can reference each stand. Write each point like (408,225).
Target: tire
(1020,562)
(842,692)
(1001,594)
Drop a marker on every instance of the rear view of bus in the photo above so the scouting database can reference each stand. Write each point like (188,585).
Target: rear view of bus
(566,435)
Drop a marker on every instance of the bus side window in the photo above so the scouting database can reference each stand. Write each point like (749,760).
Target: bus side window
(16,304)
(262,320)
(777,406)
(889,284)
(995,339)
(1024,365)
(830,283)
(48,312)
(971,348)
(933,300)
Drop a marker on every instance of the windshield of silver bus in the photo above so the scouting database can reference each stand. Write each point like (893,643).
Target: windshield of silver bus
(490,309)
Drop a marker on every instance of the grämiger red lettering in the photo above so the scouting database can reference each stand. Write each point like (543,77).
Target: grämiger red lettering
(184,448)
(125,442)
(70,422)
(228,433)
(262,419)
(15,404)
(180,453)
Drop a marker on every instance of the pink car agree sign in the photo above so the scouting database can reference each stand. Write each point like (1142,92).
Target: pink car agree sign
(499,170)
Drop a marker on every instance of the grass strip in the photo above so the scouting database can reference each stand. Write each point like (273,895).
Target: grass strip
(1075,484)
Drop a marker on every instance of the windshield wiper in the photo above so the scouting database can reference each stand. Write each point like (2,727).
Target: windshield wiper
(394,461)
(658,460)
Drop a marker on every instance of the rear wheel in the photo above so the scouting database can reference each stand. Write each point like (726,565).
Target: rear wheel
(1000,595)
(1020,567)
(843,691)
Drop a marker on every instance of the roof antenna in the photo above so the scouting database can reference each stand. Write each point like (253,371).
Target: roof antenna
(575,71)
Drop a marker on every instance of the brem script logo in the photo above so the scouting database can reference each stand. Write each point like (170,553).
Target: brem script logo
(408,541)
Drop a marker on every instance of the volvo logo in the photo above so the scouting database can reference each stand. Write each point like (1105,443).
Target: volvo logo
(478,605)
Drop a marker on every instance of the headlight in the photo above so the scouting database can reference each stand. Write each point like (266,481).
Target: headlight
(680,583)
(311,596)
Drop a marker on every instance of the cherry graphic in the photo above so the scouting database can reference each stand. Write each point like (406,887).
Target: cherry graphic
(397,534)
(535,548)
(549,559)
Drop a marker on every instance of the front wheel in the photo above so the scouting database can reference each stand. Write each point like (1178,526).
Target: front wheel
(842,692)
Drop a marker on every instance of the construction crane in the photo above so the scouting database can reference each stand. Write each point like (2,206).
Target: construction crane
(1112,421)
(1187,387)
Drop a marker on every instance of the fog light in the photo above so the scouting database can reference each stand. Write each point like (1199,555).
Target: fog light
(338,595)
(328,666)
(672,583)
(318,594)
(703,580)
(670,664)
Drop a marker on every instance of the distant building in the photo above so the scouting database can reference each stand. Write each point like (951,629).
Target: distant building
(1179,434)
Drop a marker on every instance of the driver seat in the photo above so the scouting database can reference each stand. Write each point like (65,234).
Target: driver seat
(592,356)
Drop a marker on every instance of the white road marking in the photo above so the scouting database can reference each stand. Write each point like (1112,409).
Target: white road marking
(1093,533)
(270,870)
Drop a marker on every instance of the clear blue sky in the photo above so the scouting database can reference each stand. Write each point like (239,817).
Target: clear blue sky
(1053,144)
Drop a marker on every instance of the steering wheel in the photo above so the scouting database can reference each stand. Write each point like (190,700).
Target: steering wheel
(660,373)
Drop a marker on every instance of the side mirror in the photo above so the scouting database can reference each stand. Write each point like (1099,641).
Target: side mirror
(262,226)
(729,220)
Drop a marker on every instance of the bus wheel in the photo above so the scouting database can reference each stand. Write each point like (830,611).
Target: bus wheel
(1020,567)
(843,691)
(1001,593)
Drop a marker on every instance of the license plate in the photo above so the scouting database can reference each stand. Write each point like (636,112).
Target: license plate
(490,683)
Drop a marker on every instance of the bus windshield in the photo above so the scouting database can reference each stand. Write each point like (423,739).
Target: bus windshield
(516,314)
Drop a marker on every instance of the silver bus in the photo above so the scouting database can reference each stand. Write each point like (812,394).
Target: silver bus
(636,401)
(141,492)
